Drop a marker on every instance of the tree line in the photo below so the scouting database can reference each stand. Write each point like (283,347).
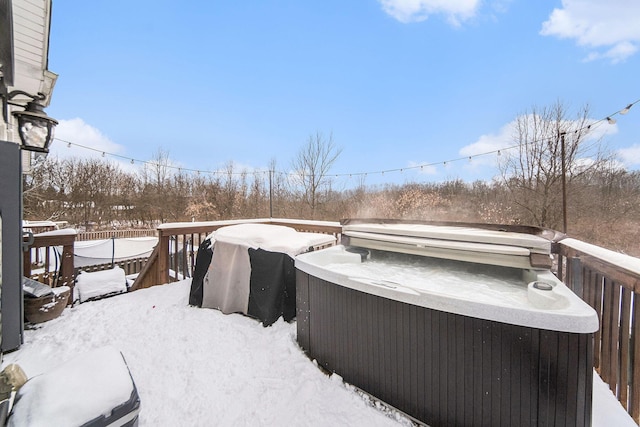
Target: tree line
(93,194)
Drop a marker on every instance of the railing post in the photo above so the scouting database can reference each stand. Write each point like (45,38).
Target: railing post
(576,279)
(26,261)
(67,267)
(163,257)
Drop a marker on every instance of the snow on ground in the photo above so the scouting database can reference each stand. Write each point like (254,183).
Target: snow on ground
(200,367)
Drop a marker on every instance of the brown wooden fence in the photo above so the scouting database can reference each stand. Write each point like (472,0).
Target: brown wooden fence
(118,234)
(174,257)
(49,258)
(61,276)
(610,283)
(130,266)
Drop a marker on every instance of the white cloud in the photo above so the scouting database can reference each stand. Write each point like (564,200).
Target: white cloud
(87,142)
(80,135)
(490,143)
(419,10)
(487,146)
(630,156)
(609,29)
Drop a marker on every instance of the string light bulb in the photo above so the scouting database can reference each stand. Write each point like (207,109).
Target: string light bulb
(610,120)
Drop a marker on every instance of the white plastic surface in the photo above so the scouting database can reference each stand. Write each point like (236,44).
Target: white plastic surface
(486,292)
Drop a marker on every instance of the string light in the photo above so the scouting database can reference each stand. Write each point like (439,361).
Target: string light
(609,119)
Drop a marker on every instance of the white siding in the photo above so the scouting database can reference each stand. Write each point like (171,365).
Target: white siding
(31,43)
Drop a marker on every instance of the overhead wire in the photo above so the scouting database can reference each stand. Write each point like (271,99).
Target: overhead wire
(608,119)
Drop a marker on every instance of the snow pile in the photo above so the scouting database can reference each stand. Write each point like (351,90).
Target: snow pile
(201,367)
(92,384)
(100,284)
(273,238)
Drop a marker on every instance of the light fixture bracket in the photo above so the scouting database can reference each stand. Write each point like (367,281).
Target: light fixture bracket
(35,126)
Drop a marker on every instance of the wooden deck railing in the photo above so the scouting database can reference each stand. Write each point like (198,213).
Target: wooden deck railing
(175,255)
(64,274)
(118,234)
(130,266)
(609,282)
(49,258)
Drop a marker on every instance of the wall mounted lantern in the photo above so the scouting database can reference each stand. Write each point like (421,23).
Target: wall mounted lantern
(36,129)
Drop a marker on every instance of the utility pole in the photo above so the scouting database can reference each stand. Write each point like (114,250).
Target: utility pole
(564,183)
(270,193)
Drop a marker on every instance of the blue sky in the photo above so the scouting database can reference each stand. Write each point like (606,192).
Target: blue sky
(397,83)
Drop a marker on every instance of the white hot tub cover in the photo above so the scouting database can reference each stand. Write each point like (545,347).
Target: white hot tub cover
(462,242)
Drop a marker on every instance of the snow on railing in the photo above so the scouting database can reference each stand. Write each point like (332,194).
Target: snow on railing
(175,255)
(108,234)
(609,282)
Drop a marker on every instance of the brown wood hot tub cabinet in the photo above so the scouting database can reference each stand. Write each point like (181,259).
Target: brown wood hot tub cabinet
(446,369)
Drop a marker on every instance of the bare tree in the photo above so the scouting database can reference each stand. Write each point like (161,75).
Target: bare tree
(281,204)
(258,196)
(230,192)
(155,176)
(203,204)
(533,172)
(312,165)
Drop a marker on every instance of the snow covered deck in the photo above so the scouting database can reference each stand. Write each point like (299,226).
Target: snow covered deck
(607,281)
(201,367)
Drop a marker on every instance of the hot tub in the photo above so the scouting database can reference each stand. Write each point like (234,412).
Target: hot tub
(420,317)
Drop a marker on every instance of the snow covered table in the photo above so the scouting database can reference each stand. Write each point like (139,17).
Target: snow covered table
(100,284)
(249,269)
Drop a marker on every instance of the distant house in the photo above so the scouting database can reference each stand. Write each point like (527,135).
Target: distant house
(24,61)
